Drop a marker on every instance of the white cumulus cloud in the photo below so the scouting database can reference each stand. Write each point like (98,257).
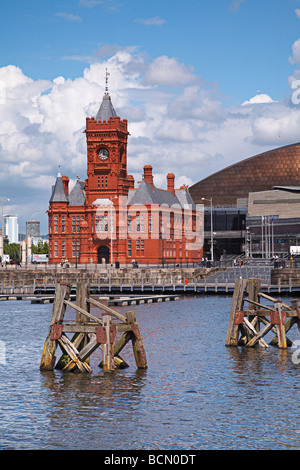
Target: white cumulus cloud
(176,122)
(168,71)
(259,99)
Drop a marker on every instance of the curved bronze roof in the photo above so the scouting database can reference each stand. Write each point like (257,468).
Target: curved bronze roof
(278,167)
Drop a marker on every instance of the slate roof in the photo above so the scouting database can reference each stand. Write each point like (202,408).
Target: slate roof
(106,109)
(184,197)
(58,191)
(145,194)
(77,196)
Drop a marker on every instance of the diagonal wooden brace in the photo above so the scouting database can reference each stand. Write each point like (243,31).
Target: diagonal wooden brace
(257,334)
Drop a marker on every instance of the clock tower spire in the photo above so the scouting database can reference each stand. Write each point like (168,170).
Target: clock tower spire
(106,136)
(106,109)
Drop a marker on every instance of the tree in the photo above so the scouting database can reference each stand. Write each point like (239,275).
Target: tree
(13,250)
(40,248)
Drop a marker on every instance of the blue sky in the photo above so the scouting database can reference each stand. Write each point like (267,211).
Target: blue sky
(203,84)
(243,47)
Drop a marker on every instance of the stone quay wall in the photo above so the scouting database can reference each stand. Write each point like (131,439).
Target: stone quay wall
(50,275)
(285,276)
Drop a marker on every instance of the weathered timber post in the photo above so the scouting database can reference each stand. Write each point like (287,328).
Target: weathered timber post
(253,287)
(278,318)
(62,293)
(138,348)
(82,295)
(79,340)
(296,307)
(237,305)
(108,345)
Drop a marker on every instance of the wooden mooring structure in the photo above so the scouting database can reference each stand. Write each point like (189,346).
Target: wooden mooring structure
(89,332)
(249,324)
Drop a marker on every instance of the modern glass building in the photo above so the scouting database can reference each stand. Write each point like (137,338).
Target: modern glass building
(228,231)
(11,228)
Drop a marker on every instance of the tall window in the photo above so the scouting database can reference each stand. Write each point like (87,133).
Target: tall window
(129,247)
(102,223)
(75,248)
(106,222)
(140,222)
(140,246)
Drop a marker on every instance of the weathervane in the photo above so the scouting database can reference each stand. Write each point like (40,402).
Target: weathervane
(107,74)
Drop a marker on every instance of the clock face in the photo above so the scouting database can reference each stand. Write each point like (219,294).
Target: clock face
(103,154)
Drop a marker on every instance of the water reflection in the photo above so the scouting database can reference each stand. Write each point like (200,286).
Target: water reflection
(195,394)
(97,401)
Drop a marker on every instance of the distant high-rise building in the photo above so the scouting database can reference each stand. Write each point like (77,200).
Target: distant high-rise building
(33,228)
(11,228)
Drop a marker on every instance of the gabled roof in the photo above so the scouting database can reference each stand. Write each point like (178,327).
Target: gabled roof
(185,198)
(58,191)
(77,196)
(106,109)
(145,194)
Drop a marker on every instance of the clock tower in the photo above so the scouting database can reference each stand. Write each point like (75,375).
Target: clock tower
(107,219)
(106,136)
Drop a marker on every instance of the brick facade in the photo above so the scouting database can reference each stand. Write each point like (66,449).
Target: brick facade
(150,226)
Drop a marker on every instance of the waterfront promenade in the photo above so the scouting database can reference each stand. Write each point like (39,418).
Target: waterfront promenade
(39,279)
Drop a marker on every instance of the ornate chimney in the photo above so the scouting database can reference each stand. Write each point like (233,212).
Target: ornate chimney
(148,174)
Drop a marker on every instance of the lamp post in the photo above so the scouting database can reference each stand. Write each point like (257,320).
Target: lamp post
(111,228)
(75,246)
(211,229)
(27,237)
(2,227)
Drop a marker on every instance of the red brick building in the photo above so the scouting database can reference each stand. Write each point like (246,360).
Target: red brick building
(108,218)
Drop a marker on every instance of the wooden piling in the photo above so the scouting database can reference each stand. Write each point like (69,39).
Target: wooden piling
(244,324)
(138,348)
(89,333)
(79,340)
(237,305)
(108,347)
(48,356)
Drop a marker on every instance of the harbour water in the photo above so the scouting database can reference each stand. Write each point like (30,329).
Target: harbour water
(196,393)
